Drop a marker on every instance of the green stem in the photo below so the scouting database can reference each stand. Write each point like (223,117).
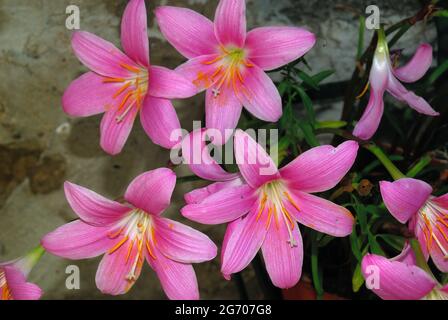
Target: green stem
(387,163)
(425,161)
(419,256)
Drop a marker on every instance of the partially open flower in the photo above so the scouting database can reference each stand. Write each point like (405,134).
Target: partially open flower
(13,278)
(384,77)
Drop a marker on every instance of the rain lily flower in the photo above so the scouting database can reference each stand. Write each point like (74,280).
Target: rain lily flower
(13,278)
(384,77)
(127,234)
(230,63)
(262,210)
(410,200)
(401,279)
(124,85)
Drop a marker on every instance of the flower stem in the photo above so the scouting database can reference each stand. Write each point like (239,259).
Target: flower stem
(419,257)
(384,159)
(318,286)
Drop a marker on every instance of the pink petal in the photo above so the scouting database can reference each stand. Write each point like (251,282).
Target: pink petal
(197,156)
(93,208)
(404,197)
(273,47)
(177,279)
(417,103)
(78,240)
(255,164)
(259,95)
(118,267)
(222,114)
(152,190)
(230,22)
(134,32)
(88,95)
(320,214)
(397,281)
(441,201)
(320,168)
(416,68)
(189,32)
(226,205)
(114,133)
(199,195)
(242,241)
(160,122)
(19,288)
(283,261)
(100,55)
(182,243)
(407,256)
(168,84)
(370,120)
(416,226)
(199,71)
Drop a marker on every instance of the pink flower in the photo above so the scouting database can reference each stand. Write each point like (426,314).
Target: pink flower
(129,234)
(230,63)
(410,200)
(383,77)
(400,279)
(262,209)
(123,85)
(13,275)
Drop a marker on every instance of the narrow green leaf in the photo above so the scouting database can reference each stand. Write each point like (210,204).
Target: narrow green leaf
(357,279)
(321,76)
(307,79)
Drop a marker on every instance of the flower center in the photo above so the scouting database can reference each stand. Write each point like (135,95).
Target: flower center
(5,292)
(434,224)
(273,197)
(132,91)
(227,72)
(137,232)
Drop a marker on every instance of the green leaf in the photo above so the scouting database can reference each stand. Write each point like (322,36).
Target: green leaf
(315,270)
(308,133)
(354,241)
(396,242)
(307,103)
(357,279)
(321,76)
(440,70)
(307,79)
(330,124)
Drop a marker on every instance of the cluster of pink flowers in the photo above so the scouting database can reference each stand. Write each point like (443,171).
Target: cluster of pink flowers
(261,204)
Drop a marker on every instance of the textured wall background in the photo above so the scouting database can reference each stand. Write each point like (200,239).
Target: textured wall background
(40,147)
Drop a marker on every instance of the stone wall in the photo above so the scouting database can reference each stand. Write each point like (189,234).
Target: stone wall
(40,147)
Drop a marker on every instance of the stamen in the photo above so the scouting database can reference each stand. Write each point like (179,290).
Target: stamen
(363,91)
(121,117)
(129,251)
(268,221)
(214,60)
(121,90)
(148,247)
(291,200)
(116,234)
(263,203)
(113,80)
(130,68)
(119,244)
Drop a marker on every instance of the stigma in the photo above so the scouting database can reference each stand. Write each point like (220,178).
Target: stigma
(132,91)
(273,199)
